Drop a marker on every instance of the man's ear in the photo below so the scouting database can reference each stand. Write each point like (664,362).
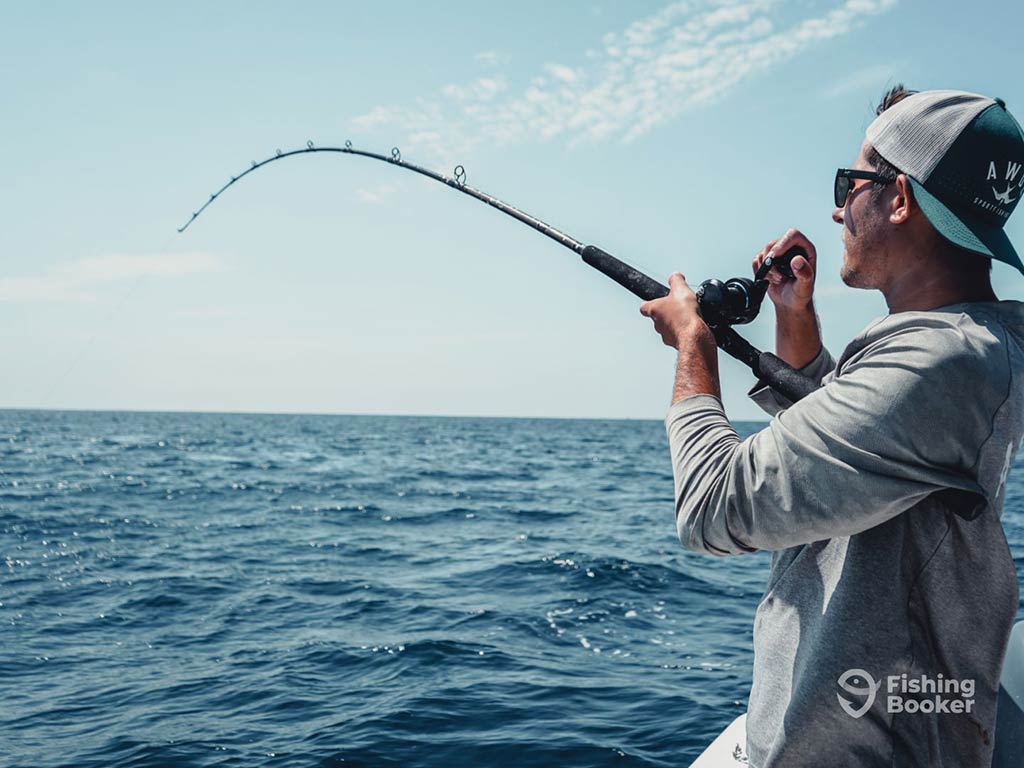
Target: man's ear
(902,204)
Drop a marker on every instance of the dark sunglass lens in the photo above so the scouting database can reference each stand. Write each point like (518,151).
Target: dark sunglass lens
(842,190)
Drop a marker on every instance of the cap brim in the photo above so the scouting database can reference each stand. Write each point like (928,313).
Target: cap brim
(972,234)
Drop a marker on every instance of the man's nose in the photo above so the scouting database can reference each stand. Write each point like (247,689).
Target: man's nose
(837,215)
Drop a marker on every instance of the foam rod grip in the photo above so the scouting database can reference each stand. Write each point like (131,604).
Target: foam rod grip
(783,378)
(632,280)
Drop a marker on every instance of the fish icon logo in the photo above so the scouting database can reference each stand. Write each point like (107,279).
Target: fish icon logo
(848,682)
(1004,197)
(1010,177)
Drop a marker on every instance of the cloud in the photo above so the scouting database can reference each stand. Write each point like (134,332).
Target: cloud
(686,55)
(490,58)
(481,90)
(75,280)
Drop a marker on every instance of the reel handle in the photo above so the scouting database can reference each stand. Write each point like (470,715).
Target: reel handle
(780,263)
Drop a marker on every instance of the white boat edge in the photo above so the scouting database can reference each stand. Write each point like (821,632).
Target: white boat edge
(729,750)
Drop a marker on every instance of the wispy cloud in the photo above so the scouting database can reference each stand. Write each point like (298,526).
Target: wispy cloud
(490,58)
(76,280)
(688,54)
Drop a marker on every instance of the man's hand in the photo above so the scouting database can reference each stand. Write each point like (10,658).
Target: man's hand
(797,335)
(676,316)
(677,320)
(789,293)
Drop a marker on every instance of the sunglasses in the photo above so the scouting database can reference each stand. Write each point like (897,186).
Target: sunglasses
(844,182)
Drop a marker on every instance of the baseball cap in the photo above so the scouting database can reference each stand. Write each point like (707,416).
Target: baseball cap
(964,156)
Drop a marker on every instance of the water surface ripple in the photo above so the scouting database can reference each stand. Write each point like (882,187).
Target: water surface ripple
(215,590)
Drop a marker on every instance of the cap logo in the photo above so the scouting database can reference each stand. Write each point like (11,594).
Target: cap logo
(1010,178)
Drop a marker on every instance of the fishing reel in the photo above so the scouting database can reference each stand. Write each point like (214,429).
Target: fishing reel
(738,300)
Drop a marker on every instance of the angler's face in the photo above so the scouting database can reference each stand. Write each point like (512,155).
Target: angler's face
(864,231)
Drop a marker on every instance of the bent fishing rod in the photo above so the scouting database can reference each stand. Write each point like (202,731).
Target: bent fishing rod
(722,304)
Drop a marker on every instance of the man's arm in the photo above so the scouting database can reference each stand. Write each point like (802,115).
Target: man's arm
(862,449)
(891,430)
(797,332)
(678,321)
(697,368)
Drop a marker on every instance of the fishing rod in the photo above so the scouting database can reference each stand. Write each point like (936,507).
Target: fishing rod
(722,304)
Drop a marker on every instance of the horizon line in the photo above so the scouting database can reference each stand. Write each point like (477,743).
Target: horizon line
(185,411)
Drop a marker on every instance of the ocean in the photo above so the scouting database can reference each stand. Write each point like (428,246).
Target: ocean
(263,590)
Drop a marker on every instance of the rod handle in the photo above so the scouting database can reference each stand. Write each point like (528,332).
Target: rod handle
(784,378)
(632,280)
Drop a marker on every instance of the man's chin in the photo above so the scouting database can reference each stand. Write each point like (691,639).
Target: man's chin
(851,277)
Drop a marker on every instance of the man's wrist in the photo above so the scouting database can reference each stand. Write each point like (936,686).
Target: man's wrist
(798,312)
(697,363)
(796,324)
(797,335)
(695,334)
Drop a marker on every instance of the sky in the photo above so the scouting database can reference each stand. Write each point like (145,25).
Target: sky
(677,136)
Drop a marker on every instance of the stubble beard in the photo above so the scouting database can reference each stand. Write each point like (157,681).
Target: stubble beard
(849,274)
(860,269)
(864,254)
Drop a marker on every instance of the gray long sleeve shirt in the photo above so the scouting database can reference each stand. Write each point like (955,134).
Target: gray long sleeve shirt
(880,498)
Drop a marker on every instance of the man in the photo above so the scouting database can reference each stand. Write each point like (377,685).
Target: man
(880,638)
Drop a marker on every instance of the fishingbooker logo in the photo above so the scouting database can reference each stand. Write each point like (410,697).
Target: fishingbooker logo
(850,681)
(905,694)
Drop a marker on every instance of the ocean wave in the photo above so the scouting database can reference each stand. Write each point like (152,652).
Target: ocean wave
(208,590)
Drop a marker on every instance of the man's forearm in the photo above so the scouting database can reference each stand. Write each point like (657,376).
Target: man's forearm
(697,367)
(797,335)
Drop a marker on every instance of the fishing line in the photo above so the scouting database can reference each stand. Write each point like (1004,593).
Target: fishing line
(722,304)
(112,309)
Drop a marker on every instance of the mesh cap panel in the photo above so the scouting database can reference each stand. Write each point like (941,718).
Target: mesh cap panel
(915,133)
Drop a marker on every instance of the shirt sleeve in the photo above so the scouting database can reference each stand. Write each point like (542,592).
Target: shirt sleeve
(771,402)
(897,425)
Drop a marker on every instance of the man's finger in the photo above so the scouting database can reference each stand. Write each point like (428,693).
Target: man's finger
(792,238)
(784,243)
(676,280)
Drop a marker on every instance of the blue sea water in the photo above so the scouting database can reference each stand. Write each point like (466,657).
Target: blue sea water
(213,590)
